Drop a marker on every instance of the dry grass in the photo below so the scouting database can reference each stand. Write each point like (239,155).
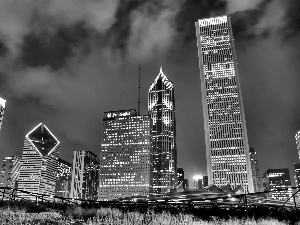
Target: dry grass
(116,217)
(93,216)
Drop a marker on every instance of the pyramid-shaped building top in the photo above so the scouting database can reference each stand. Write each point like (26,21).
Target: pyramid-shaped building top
(161,79)
(42,139)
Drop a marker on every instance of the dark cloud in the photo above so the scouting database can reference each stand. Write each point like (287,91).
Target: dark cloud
(3,49)
(192,10)
(119,32)
(54,49)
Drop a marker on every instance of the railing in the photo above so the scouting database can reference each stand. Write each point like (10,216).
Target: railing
(192,199)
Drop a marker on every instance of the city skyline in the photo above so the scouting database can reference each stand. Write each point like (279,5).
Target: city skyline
(70,94)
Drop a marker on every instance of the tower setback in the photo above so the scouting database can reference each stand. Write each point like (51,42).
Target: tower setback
(161,109)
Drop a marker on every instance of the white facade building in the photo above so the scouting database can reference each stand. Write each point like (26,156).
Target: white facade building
(227,149)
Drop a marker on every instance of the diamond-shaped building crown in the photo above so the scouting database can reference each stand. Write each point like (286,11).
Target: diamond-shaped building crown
(42,139)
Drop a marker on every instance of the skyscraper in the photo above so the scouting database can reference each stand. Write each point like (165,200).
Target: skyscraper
(161,109)
(63,179)
(2,106)
(297,174)
(85,175)
(297,137)
(297,165)
(10,171)
(126,155)
(227,150)
(255,171)
(276,179)
(39,162)
(180,176)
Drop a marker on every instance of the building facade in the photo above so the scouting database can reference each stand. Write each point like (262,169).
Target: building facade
(227,150)
(2,106)
(161,109)
(126,155)
(85,175)
(297,137)
(63,179)
(39,163)
(297,174)
(276,179)
(10,171)
(255,171)
(180,176)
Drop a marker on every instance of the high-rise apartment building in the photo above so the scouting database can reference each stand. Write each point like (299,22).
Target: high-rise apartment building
(126,155)
(63,179)
(227,150)
(255,171)
(161,109)
(276,179)
(39,163)
(10,171)
(85,175)
(2,106)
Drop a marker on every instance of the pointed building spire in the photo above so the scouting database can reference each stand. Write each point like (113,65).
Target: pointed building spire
(161,70)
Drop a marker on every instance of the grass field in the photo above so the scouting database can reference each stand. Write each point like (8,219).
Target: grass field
(93,216)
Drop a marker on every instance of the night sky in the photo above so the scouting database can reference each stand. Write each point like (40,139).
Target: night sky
(65,62)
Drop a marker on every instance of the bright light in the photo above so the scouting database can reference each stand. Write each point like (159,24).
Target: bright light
(197,177)
(2,102)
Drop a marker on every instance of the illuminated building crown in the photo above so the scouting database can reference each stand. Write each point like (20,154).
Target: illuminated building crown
(165,80)
(42,139)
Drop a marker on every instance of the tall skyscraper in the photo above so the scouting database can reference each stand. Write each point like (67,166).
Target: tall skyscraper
(227,150)
(276,179)
(2,106)
(297,165)
(255,171)
(126,155)
(63,179)
(39,162)
(85,175)
(10,171)
(161,109)
(297,137)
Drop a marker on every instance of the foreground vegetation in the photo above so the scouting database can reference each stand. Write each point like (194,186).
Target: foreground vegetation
(31,213)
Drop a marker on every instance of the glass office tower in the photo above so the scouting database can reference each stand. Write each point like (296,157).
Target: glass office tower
(255,171)
(10,171)
(126,155)
(63,179)
(161,109)
(85,175)
(277,179)
(227,150)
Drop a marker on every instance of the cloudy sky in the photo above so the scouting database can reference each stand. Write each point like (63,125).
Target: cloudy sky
(65,62)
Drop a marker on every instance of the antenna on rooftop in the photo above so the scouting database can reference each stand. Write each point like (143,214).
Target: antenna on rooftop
(139,101)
